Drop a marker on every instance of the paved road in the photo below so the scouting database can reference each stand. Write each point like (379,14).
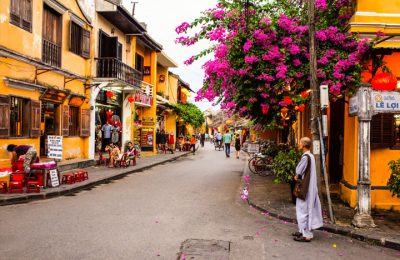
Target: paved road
(150,214)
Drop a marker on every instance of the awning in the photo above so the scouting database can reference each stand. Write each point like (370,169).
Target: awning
(54,95)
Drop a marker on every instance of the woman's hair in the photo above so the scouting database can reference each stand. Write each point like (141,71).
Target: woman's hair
(11,147)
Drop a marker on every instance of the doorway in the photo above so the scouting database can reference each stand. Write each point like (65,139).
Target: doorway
(336,135)
(50,120)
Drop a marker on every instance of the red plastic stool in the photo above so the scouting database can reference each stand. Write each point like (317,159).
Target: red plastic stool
(78,176)
(68,178)
(3,187)
(16,186)
(84,175)
(33,186)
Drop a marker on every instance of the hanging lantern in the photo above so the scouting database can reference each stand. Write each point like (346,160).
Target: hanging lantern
(131,99)
(109,94)
(288,101)
(305,94)
(366,76)
(264,108)
(284,113)
(384,81)
(302,107)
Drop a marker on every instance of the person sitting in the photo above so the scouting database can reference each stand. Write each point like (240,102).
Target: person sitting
(26,152)
(115,154)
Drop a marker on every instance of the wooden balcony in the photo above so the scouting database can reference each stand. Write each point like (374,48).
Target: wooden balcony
(116,69)
(51,53)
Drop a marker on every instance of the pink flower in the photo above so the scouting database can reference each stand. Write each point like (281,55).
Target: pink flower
(247,46)
(321,5)
(250,59)
(182,28)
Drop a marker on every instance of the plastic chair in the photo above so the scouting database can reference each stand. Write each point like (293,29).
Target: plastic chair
(68,178)
(33,186)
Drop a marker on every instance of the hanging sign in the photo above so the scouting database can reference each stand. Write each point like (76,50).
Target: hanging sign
(143,100)
(54,146)
(385,102)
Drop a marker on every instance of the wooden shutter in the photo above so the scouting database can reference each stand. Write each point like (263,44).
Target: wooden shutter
(5,116)
(85,43)
(382,131)
(65,120)
(26,13)
(119,52)
(15,12)
(35,118)
(85,122)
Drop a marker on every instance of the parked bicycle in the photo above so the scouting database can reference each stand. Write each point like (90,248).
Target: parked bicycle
(260,162)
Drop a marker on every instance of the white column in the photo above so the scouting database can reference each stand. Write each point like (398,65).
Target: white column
(126,119)
(94,91)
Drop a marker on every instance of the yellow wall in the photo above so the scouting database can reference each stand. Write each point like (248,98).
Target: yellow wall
(162,86)
(379,169)
(173,88)
(30,44)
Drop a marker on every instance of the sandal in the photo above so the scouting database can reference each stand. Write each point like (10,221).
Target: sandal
(296,234)
(302,239)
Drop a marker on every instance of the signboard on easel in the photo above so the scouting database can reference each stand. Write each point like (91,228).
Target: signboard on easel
(54,178)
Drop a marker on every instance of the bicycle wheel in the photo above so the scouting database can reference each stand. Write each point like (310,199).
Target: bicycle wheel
(262,167)
(252,164)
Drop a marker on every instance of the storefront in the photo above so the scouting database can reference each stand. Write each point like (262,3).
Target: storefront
(108,109)
(144,126)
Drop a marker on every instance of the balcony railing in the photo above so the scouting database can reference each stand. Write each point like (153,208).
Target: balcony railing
(51,53)
(114,68)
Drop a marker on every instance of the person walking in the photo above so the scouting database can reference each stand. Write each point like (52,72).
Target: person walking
(171,142)
(106,129)
(227,141)
(237,145)
(308,205)
(193,143)
(163,141)
(202,139)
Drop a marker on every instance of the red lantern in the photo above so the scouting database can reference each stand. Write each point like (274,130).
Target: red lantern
(302,107)
(264,108)
(305,94)
(288,101)
(131,99)
(384,81)
(366,76)
(109,94)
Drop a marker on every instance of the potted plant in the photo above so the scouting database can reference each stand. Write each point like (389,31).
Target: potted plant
(284,166)
(394,180)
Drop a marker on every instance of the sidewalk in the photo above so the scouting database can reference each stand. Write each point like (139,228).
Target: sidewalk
(97,175)
(275,199)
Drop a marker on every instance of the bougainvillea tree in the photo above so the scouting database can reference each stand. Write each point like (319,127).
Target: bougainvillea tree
(260,53)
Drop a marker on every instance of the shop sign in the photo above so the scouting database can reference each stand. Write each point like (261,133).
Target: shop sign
(148,121)
(54,178)
(144,100)
(385,102)
(55,146)
(146,70)
(353,105)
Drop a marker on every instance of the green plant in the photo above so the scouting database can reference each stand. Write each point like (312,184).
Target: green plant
(284,165)
(394,180)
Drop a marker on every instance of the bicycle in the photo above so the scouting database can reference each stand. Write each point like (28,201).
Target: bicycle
(261,164)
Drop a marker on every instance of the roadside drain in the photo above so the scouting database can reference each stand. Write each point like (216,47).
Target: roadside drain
(204,249)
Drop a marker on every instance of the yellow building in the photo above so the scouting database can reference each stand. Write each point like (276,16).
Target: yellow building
(124,78)
(167,89)
(371,17)
(45,59)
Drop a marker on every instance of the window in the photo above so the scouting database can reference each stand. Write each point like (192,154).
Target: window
(51,52)
(21,14)
(73,121)
(385,131)
(19,118)
(79,40)
(139,63)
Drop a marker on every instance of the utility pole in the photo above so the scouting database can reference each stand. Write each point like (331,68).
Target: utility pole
(315,106)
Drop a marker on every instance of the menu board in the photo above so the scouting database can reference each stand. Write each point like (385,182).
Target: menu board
(137,136)
(147,138)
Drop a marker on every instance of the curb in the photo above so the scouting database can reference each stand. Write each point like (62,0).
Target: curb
(332,228)
(52,194)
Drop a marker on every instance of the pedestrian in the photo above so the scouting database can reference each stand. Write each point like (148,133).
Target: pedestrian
(158,140)
(106,129)
(202,139)
(115,154)
(24,151)
(193,143)
(171,142)
(308,210)
(227,141)
(115,130)
(237,145)
(218,137)
(163,141)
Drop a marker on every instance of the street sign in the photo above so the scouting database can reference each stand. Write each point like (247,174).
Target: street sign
(353,105)
(385,102)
